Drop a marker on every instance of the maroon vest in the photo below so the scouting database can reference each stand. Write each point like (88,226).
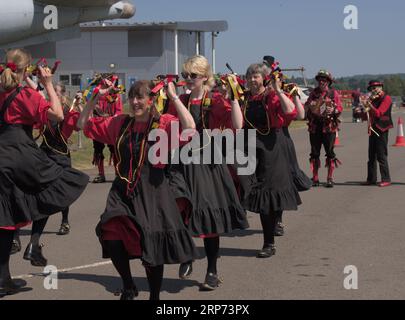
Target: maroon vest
(383,123)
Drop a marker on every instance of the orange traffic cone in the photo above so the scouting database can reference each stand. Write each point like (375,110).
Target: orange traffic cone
(337,141)
(400,136)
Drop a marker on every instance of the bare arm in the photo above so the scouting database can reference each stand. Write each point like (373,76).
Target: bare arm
(30,83)
(86,113)
(286,104)
(300,108)
(185,117)
(55,112)
(237,117)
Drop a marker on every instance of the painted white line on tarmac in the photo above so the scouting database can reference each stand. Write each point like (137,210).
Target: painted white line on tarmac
(87,266)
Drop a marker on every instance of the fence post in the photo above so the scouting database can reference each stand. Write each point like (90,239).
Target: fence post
(79,140)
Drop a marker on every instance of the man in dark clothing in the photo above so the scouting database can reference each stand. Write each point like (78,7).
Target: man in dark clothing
(377,110)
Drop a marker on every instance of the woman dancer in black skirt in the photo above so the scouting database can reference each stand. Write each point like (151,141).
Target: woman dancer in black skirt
(205,193)
(31,185)
(272,186)
(55,137)
(141,219)
(54,143)
(301,180)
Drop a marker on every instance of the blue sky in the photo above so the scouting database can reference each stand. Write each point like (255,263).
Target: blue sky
(307,32)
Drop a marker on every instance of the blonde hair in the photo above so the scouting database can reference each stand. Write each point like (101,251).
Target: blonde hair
(62,87)
(200,65)
(22,59)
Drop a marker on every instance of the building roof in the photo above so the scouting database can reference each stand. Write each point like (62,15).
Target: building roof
(196,26)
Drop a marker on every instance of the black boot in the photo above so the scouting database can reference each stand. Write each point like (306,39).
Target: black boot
(267,251)
(212,281)
(64,229)
(185,270)
(279,229)
(99,179)
(129,294)
(331,164)
(34,254)
(16,246)
(10,286)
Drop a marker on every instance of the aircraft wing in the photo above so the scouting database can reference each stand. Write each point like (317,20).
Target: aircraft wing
(79,3)
(23,22)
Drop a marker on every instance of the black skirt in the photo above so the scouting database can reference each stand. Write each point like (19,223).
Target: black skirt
(271,187)
(215,205)
(301,180)
(152,208)
(32,186)
(62,160)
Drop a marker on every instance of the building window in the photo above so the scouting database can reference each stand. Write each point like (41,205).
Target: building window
(76,79)
(145,43)
(65,79)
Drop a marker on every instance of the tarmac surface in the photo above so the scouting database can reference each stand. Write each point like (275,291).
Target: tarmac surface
(350,225)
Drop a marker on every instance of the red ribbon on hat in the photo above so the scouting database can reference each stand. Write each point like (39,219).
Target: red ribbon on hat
(12,66)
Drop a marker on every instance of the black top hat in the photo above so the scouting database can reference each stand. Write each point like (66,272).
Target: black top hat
(268,60)
(374,83)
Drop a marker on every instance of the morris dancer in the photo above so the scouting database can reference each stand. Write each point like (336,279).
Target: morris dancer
(105,108)
(31,185)
(141,219)
(301,180)
(272,185)
(323,109)
(206,193)
(55,136)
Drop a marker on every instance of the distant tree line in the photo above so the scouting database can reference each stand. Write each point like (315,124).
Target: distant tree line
(394,84)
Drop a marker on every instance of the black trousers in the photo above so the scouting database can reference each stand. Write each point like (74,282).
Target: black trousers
(378,151)
(318,139)
(99,147)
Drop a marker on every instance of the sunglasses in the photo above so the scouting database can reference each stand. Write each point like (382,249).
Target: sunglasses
(191,76)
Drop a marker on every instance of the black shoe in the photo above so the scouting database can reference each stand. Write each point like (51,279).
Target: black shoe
(329,183)
(315,183)
(129,294)
(64,229)
(11,286)
(267,252)
(34,254)
(185,270)
(368,183)
(16,246)
(279,229)
(99,179)
(212,281)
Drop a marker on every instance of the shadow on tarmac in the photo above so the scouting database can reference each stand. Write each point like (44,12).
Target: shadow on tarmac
(358,184)
(242,233)
(113,284)
(27,232)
